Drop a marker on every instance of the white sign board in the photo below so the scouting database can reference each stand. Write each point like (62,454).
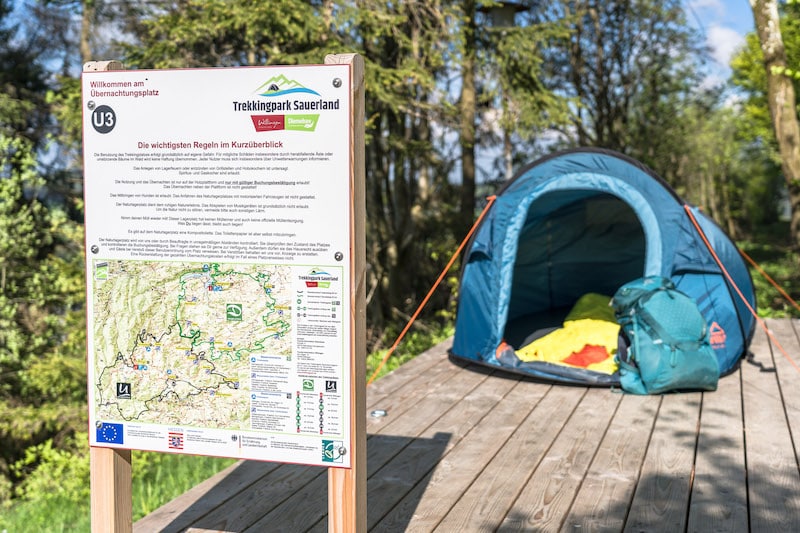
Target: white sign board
(218,261)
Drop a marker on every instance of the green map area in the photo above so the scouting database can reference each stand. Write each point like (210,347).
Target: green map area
(173,341)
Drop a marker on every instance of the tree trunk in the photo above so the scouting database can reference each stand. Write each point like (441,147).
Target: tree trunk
(727,216)
(781,98)
(468,120)
(87,21)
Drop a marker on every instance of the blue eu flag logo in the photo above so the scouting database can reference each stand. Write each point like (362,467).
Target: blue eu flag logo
(111,433)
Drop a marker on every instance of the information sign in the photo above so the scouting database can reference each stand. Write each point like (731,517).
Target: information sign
(218,261)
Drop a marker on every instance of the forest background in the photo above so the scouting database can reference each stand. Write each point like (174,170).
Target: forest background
(457,98)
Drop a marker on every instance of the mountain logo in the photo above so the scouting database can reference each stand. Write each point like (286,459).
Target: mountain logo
(717,336)
(281,86)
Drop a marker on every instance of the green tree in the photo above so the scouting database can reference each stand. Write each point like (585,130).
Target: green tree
(777,92)
(22,83)
(629,66)
(728,175)
(513,83)
(42,352)
(467,110)
(411,205)
(203,33)
(643,97)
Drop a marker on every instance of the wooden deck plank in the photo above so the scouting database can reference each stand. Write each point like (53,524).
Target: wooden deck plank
(432,498)
(661,500)
(487,501)
(260,498)
(470,449)
(603,499)
(773,478)
(404,430)
(192,505)
(719,493)
(423,412)
(407,396)
(388,384)
(299,513)
(401,426)
(413,465)
(544,502)
(787,366)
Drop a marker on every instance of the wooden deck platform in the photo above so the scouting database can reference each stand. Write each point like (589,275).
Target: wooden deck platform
(463,448)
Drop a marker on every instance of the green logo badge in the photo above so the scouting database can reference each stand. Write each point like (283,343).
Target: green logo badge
(308,385)
(101,271)
(332,451)
(233,312)
(301,122)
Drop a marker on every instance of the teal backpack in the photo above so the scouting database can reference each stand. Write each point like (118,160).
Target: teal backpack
(669,347)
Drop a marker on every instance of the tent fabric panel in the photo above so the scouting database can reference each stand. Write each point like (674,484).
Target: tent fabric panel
(650,209)
(476,310)
(482,240)
(711,294)
(690,253)
(728,309)
(593,161)
(736,267)
(540,238)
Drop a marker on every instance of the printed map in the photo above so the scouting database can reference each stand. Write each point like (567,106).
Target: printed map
(173,340)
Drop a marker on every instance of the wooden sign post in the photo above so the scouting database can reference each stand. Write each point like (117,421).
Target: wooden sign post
(110,483)
(226,266)
(347,489)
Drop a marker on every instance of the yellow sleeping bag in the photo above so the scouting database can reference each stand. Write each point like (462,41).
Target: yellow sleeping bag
(588,338)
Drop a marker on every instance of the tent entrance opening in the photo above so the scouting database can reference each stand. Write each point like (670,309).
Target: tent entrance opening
(572,243)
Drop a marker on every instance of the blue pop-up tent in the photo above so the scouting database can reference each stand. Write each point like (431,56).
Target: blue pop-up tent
(588,221)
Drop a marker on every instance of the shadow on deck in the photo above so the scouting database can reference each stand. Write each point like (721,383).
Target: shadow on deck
(470,449)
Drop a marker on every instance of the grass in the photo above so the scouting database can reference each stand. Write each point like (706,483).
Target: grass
(167,476)
(783,266)
(410,346)
(157,479)
(53,515)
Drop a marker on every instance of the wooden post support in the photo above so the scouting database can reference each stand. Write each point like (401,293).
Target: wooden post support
(347,488)
(111,498)
(110,469)
(102,66)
